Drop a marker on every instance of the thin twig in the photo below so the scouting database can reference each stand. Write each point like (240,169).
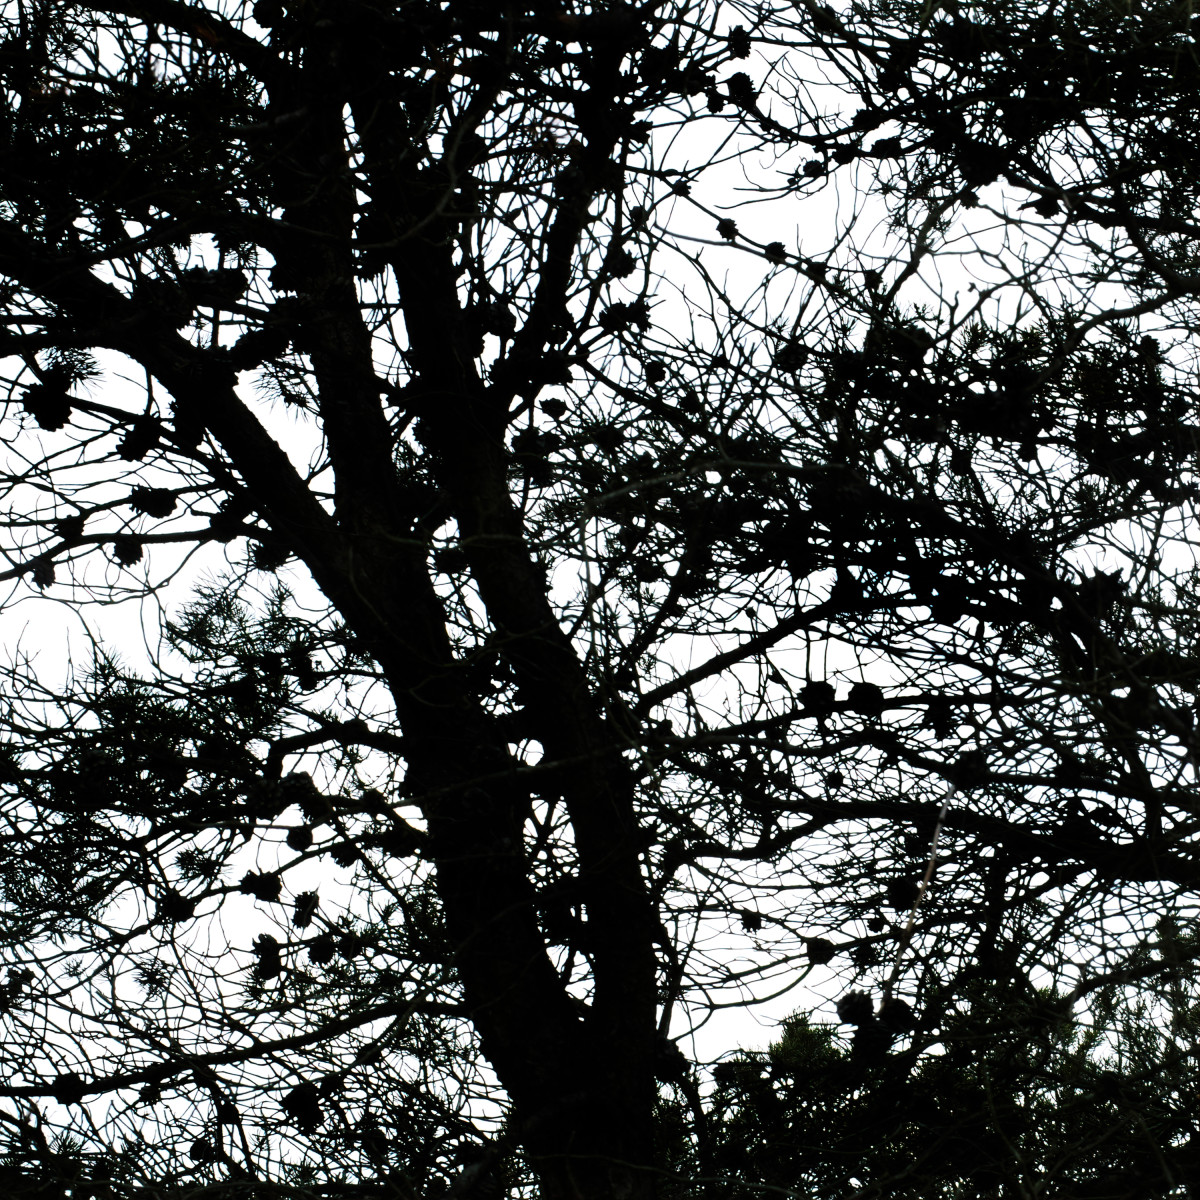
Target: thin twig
(906,936)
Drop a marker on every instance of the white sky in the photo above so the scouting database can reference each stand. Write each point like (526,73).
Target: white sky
(54,629)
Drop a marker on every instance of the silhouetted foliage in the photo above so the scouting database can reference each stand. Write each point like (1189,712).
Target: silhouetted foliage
(632,508)
(1019,1098)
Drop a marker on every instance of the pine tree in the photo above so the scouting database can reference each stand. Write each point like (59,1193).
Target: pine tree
(588,573)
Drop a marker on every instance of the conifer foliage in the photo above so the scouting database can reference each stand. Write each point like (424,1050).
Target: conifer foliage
(633,506)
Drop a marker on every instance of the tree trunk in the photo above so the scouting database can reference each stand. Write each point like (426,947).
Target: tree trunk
(582,1081)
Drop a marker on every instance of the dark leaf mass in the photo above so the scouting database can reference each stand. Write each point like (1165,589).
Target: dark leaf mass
(902,893)
(269,963)
(303,1107)
(855,1008)
(820,951)
(300,838)
(154,502)
(305,909)
(263,887)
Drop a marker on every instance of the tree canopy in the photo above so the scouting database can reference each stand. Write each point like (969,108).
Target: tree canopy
(636,509)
